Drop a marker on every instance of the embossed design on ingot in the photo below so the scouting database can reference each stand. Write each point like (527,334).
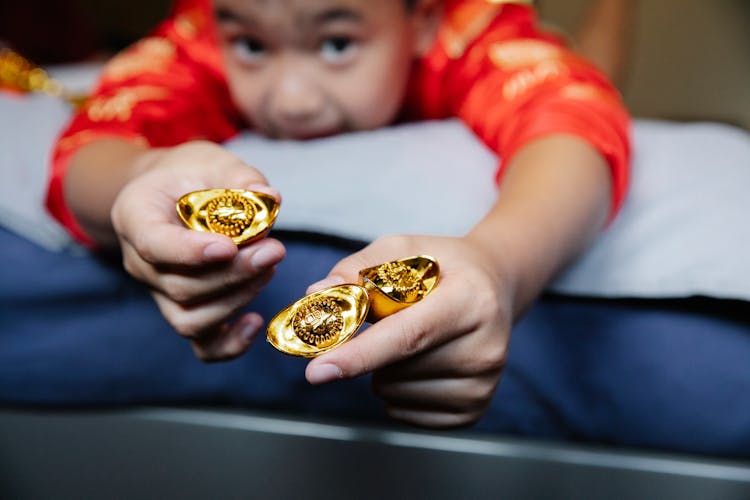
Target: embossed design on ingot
(242,215)
(402,280)
(318,322)
(229,215)
(398,284)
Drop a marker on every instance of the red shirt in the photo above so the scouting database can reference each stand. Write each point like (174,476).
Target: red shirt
(491,66)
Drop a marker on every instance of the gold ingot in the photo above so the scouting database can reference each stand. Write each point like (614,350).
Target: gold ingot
(326,319)
(244,216)
(396,285)
(320,321)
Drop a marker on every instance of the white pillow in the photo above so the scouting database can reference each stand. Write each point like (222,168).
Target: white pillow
(422,178)
(28,128)
(682,231)
(684,228)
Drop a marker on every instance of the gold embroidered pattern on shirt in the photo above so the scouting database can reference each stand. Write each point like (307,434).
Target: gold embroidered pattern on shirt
(464,25)
(515,54)
(150,54)
(527,78)
(584,92)
(119,107)
(189,23)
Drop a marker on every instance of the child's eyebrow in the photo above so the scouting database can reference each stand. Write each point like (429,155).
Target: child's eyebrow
(334,14)
(313,19)
(227,15)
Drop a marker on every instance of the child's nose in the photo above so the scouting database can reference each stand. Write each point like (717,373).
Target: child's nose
(296,97)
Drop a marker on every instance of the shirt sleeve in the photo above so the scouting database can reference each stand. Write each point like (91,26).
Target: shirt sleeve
(512,83)
(164,90)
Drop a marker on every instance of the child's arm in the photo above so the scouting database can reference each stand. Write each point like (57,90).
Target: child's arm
(605,36)
(438,363)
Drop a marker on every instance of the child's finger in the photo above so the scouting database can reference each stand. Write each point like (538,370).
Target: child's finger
(330,281)
(200,321)
(442,394)
(347,269)
(170,244)
(477,354)
(266,189)
(189,285)
(152,272)
(431,418)
(397,337)
(230,341)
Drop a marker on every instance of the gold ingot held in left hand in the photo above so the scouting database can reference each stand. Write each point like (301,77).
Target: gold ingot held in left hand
(244,216)
(326,319)
(320,321)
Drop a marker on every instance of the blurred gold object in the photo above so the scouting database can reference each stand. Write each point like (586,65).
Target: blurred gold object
(326,319)
(21,75)
(244,216)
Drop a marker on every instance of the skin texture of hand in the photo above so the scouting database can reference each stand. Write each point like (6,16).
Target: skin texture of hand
(200,281)
(438,362)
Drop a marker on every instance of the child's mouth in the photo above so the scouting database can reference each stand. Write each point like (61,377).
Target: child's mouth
(307,135)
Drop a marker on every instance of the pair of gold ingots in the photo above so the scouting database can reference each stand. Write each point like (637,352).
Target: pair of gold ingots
(325,319)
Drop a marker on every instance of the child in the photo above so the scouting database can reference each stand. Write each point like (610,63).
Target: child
(300,69)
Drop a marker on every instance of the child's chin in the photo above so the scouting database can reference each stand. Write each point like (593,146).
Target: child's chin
(311,135)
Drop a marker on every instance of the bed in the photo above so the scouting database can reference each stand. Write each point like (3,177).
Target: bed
(642,342)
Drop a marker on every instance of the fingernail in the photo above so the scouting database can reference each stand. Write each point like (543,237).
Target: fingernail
(265,256)
(265,188)
(218,251)
(326,283)
(320,374)
(251,328)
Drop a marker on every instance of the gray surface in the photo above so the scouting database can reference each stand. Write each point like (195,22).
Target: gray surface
(176,453)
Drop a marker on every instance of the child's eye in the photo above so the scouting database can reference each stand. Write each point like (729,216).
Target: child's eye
(337,49)
(249,49)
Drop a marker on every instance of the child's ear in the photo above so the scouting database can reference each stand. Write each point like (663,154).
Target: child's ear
(426,15)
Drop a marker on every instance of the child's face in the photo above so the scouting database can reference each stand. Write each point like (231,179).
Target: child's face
(300,69)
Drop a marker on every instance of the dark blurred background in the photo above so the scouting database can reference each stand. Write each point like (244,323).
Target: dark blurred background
(63,31)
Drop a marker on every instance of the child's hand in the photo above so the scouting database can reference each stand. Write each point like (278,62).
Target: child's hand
(438,362)
(199,280)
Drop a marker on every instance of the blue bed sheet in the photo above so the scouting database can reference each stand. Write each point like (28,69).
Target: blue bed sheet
(75,330)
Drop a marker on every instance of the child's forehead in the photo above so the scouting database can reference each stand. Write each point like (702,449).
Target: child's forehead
(305,11)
